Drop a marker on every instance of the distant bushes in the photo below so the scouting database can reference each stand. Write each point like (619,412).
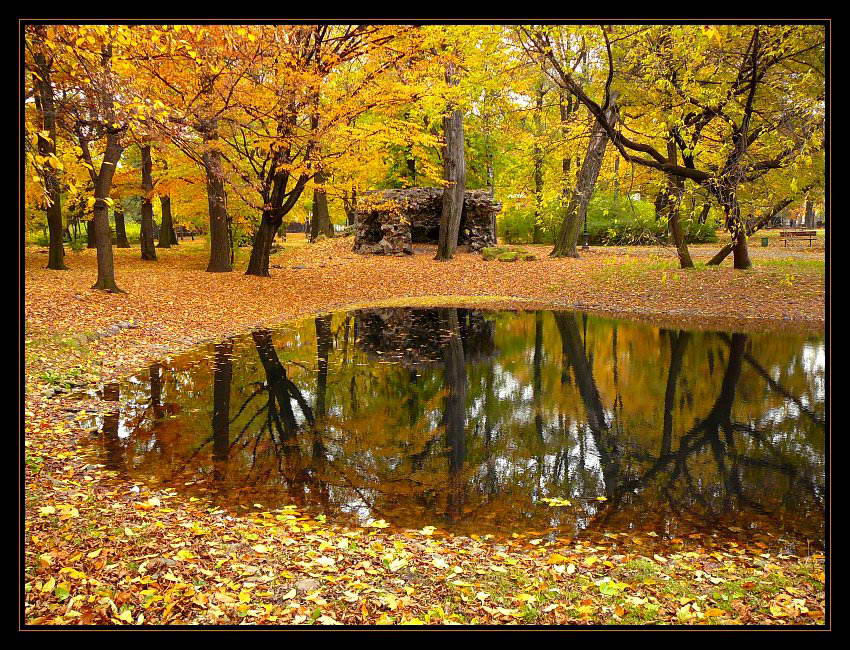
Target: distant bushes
(610,222)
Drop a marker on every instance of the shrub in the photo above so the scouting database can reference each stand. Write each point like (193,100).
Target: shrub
(516,226)
(610,222)
(620,222)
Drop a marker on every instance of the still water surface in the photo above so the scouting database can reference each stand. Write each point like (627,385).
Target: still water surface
(474,421)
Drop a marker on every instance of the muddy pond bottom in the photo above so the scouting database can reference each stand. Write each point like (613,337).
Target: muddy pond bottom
(489,422)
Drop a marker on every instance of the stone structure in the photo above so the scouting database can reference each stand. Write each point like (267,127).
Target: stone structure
(390,221)
(417,337)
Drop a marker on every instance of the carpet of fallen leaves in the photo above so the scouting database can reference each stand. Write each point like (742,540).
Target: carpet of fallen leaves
(102,551)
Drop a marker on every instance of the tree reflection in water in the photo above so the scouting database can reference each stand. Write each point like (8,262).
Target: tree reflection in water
(467,420)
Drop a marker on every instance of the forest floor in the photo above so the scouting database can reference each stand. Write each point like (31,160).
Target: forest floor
(99,551)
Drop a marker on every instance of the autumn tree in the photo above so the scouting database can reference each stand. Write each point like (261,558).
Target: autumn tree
(40,53)
(293,108)
(101,109)
(754,89)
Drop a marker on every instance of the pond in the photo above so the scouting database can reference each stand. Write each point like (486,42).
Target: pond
(489,422)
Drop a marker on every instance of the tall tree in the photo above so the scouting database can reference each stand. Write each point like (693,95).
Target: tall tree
(764,117)
(576,212)
(146,239)
(40,65)
(454,173)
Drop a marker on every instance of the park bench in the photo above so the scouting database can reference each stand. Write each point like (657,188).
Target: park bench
(798,235)
(182,231)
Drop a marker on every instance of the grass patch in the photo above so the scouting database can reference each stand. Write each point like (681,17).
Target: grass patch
(791,264)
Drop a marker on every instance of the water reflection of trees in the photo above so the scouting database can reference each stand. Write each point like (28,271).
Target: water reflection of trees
(465,419)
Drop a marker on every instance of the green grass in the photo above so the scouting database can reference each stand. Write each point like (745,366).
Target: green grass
(791,264)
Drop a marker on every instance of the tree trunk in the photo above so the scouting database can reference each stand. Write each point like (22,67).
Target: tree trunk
(810,213)
(146,238)
(260,251)
(91,236)
(105,261)
(47,147)
(672,199)
(537,155)
(454,171)
(565,244)
(166,226)
(120,230)
(741,251)
(751,228)
(703,217)
(321,223)
(219,244)
(736,227)
(350,208)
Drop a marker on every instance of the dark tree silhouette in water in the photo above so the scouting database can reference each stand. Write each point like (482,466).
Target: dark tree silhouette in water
(574,353)
(324,344)
(222,377)
(113,445)
(454,172)
(454,412)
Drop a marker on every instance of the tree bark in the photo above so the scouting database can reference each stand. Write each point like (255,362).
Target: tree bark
(103,238)
(146,240)
(537,155)
(454,171)
(565,244)
(752,227)
(321,222)
(672,199)
(167,237)
(91,237)
(120,230)
(810,213)
(261,249)
(46,106)
(218,238)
